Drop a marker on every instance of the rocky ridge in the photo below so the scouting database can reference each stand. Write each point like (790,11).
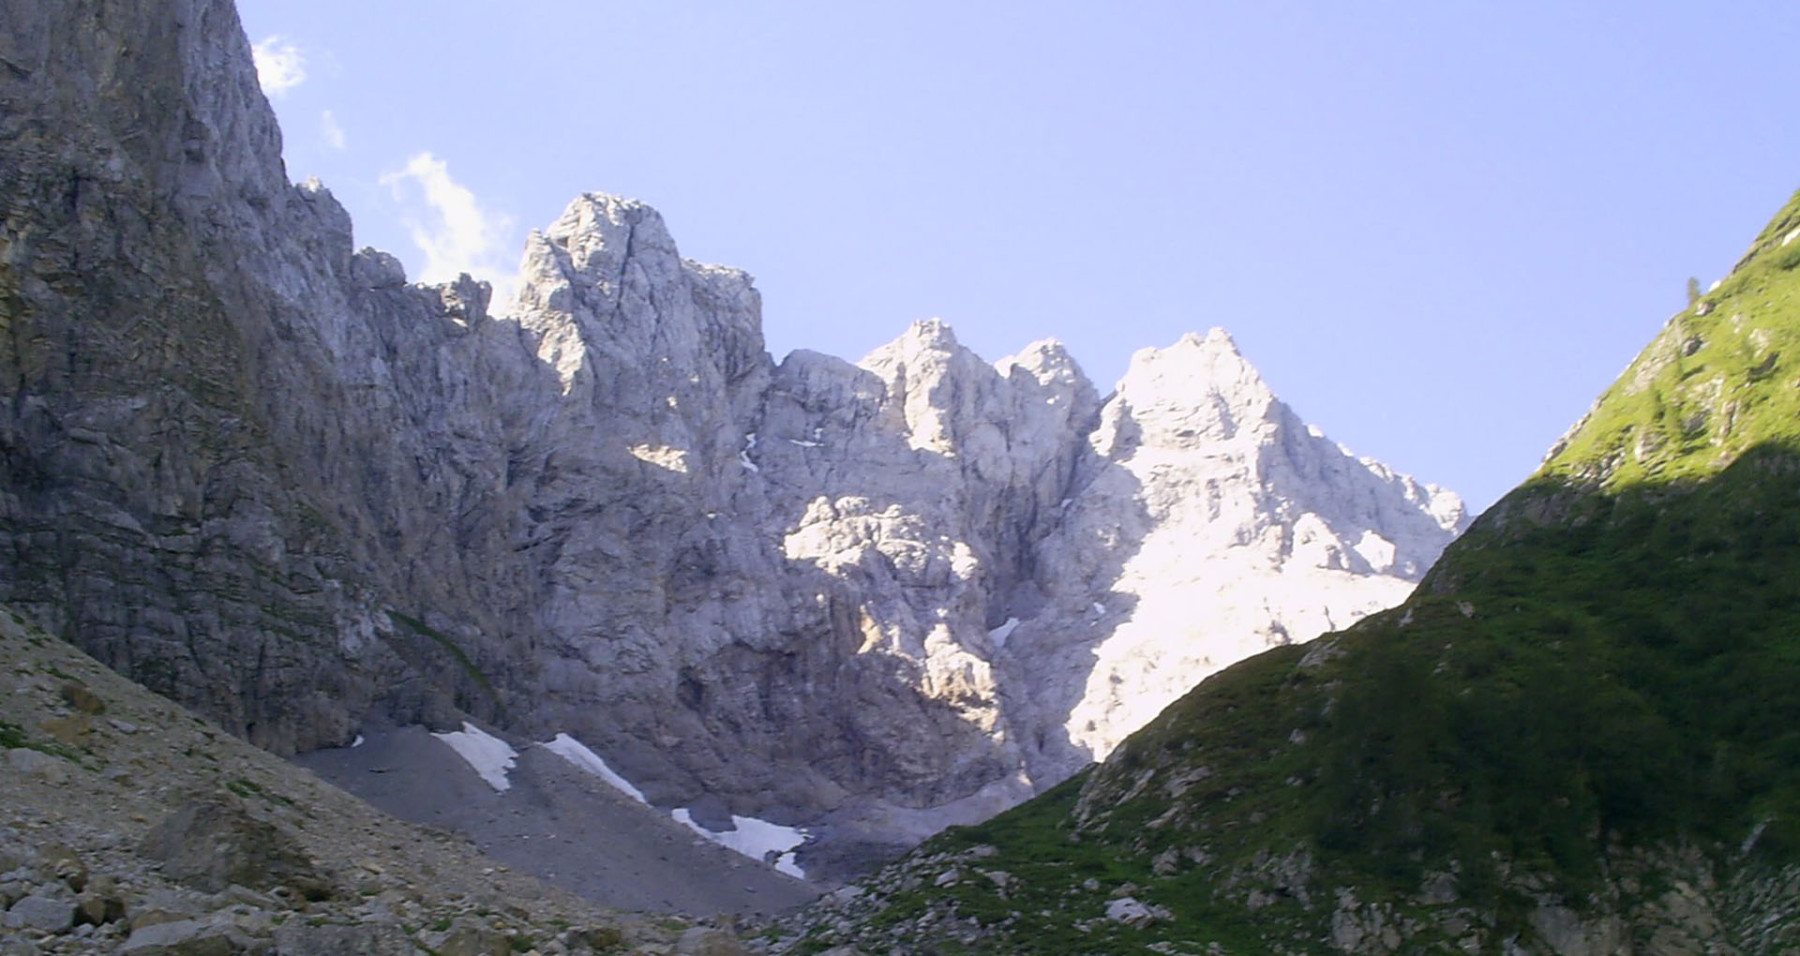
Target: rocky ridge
(259,472)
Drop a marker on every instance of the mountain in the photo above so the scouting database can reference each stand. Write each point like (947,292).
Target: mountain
(258,471)
(1577,736)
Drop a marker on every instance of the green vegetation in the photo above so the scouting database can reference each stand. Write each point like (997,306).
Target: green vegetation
(250,788)
(13,736)
(1712,385)
(462,659)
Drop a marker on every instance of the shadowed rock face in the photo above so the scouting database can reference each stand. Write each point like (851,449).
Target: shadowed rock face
(260,472)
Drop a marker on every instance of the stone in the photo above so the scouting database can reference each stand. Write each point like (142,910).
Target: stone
(98,907)
(27,762)
(212,843)
(300,938)
(77,695)
(49,914)
(708,941)
(155,915)
(592,939)
(469,937)
(71,731)
(186,938)
(59,861)
(1130,911)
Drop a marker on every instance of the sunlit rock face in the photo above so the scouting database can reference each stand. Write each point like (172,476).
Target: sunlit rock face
(1209,523)
(257,470)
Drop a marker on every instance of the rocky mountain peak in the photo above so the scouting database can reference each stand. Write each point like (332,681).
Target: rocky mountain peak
(1199,390)
(309,494)
(1044,359)
(1504,763)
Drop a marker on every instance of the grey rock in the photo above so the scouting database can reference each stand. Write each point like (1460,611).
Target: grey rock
(49,914)
(211,844)
(299,938)
(469,937)
(707,941)
(77,695)
(100,904)
(27,762)
(188,938)
(59,861)
(1132,912)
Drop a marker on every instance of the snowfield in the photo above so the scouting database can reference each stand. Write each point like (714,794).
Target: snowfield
(577,753)
(756,839)
(490,756)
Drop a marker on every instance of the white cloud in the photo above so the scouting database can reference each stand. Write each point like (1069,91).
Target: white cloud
(329,128)
(456,235)
(279,66)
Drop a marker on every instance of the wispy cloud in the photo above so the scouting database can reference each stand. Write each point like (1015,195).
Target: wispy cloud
(456,234)
(329,128)
(280,66)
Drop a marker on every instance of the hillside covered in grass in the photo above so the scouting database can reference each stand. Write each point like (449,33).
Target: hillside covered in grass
(1580,735)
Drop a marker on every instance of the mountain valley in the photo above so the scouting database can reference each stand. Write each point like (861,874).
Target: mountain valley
(341,613)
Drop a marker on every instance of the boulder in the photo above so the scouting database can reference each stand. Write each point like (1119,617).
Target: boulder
(298,938)
(49,914)
(212,843)
(708,941)
(189,938)
(58,861)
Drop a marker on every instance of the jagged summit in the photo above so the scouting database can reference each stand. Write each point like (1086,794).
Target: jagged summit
(1576,736)
(308,495)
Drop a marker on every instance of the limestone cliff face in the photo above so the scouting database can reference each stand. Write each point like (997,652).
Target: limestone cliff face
(260,472)
(1209,524)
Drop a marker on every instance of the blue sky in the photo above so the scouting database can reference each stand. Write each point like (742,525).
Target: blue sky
(1439,229)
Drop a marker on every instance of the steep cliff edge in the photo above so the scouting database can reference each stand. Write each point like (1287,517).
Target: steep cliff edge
(259,472)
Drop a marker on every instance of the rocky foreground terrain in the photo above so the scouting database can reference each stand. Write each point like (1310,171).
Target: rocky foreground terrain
(129,825)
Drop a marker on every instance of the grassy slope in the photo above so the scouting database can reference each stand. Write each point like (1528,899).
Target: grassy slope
(1606,662)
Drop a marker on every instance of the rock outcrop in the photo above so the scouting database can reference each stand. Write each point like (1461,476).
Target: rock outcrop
(259,472)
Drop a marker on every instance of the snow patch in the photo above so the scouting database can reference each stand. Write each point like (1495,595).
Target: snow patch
(999,634)
(487,754)
(577,753)
(756,839)
(358,742)
(744,456)
(803,443)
